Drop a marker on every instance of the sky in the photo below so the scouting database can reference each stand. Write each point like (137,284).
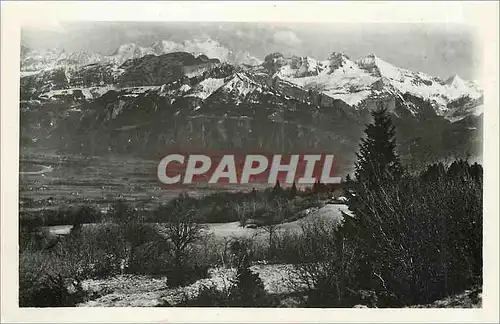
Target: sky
(441,50)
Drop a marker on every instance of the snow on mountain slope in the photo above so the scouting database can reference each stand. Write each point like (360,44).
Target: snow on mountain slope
(420,84)
(244,57)
(337,77)
(129,51)
(457,87)
(209,47)
(34,60)
(38,60)
(353,98)
(466,111)
(88,93)
(240,86)
(198,70)
(354,82)
(55,94)
(205,88)
(83,58)
(165,46)
(299,67)
(359,83)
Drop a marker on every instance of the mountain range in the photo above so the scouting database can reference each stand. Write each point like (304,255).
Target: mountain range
(199,94)
(35,60)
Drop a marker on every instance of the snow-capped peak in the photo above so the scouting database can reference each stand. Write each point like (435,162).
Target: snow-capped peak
(455,81)
(380,68)
(245,58)
(129,51)
(198,46)
(164,47)
(208,47)
(338,55)
(338,58)
(240,85)
(84,57)
(336,75)
(125,48)
(205,88)
(354,81)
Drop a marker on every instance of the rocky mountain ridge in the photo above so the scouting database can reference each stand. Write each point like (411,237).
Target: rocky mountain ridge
(33,60)
(179,100)
(356,82)
(337,78)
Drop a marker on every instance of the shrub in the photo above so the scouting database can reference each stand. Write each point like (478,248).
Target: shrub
(43,282)
(419,238)
(321,262)
(35,239)
(186,274)
(249,290)
(209,296)
(246,290)
(416,238)
(225,207)
(64,215)
(121,212)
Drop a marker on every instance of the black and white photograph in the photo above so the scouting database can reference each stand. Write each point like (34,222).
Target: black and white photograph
(251,164)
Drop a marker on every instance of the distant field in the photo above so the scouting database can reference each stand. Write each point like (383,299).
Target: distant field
(233,229)
(48,180)
(329,212)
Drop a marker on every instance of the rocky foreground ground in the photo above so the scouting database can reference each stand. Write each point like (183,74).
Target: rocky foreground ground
(151,291)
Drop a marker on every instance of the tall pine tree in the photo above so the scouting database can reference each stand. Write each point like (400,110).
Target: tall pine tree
(293,190)
(377,160)
(377,167)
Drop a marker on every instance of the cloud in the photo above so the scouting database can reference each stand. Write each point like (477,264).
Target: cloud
(44,25)
(286,37)
(242,34)
(134,33)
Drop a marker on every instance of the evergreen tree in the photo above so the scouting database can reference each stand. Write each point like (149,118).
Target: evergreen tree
(249,288)
(433,172)
(347,179)
(376,169)
(402,228)
(346,184)
(293,190)
(377,159)
(459,169)
(318,187)
(476,172)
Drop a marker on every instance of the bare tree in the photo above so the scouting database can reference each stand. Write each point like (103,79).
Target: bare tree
(223,251)
(323,264)
(241,211)
(274,222)
(246,210)
(181,229)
